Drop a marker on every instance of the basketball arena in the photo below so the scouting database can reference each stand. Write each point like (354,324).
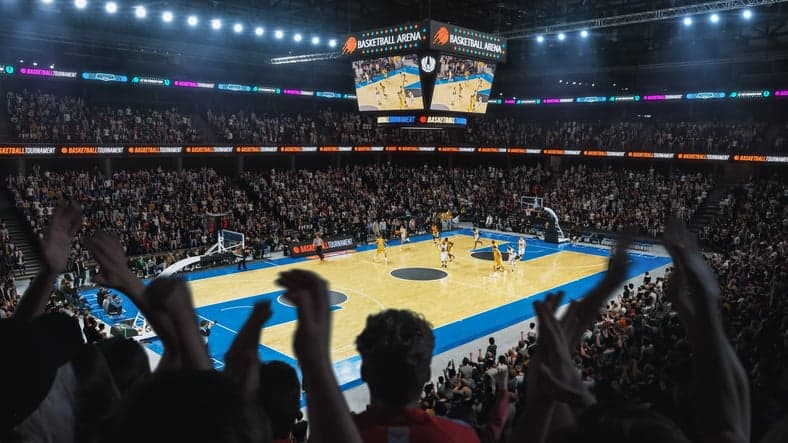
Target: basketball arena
(408,221)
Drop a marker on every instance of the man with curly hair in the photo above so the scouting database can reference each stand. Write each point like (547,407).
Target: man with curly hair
(396,352)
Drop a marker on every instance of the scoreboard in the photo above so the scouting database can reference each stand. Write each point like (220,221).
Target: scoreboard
(424,66)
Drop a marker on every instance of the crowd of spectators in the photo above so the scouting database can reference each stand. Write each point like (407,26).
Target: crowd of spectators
(352,199)
(43,117)
(166,215)
(640,135)
(652,364)
(638,352)
(607,199)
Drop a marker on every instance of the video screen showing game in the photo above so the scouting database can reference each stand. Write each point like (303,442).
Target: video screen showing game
(388,83)
(462,85)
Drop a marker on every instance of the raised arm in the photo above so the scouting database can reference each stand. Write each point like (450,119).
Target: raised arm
(722,389)
(328,410)
(55,248)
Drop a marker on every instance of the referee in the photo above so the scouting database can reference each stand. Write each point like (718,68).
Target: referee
(318,244)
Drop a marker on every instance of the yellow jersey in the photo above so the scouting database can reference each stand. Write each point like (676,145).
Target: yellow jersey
(381,244)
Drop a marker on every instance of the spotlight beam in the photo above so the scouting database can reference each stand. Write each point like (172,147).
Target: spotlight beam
(639,17)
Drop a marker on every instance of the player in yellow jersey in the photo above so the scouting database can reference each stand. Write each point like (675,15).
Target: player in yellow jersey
(497,262)
(401,97)
(381,249)
(449,246)
(435,233)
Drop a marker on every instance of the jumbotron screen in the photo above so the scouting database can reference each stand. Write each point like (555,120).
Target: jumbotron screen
(388,84)
(462,85)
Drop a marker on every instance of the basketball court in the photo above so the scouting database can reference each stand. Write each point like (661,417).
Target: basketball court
(463,302)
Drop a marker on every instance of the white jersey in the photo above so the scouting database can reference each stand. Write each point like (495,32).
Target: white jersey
(403,232)
(444,252)
(510,252)
(521,247)
(476,235)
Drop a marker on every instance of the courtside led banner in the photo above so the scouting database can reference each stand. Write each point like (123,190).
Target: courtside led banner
(467,42)
(332,244)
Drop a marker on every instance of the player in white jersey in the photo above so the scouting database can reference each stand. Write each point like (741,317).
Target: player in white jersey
(521,247)
(511,256)
(476,238)
(445,253)
(403,234)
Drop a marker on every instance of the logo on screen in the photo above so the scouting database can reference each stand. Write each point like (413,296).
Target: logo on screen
(441,37)
(428,64)
(350,45)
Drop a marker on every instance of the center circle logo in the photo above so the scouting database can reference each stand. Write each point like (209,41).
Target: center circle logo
(428,64)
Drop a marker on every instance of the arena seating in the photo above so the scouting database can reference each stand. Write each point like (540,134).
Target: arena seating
(41,117)
(637,352)
(44,117)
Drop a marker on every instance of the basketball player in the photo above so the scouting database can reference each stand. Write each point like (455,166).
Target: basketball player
(403,234)
(449,246)
(403,77)
(444,253)
(409,95)
(435,234)
(318,244)
(377,95)
(381,249)
(497,263)
(521,247)
(401,97)
(511,256)
(453,95)
(477,238)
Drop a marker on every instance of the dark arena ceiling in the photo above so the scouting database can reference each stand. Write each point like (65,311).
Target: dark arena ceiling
(751,50)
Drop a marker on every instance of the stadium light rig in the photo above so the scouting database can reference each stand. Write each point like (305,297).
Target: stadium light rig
(111,7)
(80,4)
(192,20)
(140,12)
(167,16)
(305,58)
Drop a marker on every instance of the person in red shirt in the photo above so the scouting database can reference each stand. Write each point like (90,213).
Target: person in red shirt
(396,351)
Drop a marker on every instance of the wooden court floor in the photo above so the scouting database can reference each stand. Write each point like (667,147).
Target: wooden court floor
(470,288)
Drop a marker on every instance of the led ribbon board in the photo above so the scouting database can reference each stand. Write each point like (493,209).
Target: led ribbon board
(105,77)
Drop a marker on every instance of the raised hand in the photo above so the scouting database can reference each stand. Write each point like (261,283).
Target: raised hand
(720,383)
(170,310)
(328,411)
(309,292)
(55,249)
(242,362)
(557,371)
(56,245)
(580,314)
(115,272)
